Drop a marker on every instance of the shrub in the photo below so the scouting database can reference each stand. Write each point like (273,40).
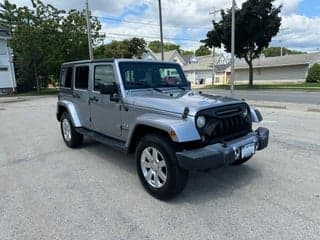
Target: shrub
(314,73)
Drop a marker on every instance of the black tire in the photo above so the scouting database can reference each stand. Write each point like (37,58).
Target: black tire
(176,177)
(240,161)
(76,139)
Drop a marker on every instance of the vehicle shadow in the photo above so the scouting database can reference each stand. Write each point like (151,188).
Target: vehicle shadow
(218,183)
(202,186)
(117,158)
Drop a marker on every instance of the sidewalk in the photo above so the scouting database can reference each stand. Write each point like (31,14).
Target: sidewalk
(11,99)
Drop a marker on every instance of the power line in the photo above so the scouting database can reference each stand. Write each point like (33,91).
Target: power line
(195,27)
(153,37)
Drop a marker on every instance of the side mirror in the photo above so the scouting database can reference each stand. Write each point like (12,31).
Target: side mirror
(109,89)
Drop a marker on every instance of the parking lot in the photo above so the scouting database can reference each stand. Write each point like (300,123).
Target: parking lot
(48,191)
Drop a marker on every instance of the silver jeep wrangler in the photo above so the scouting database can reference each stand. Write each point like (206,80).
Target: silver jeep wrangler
(149,109)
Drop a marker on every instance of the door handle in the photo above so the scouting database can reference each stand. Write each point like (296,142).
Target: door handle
(76,95)
(94,99)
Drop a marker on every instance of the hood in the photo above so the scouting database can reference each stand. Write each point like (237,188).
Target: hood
(177,101)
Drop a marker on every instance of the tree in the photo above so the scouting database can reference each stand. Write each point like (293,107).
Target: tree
(128,48)
(314,73)
(155,46)
(43,37)
(257,22)
(276,52)
(203,51)
(187,52)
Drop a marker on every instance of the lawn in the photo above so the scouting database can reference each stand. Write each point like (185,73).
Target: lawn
(288,86)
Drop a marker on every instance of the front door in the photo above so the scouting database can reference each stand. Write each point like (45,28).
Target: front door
(105,114)
(81,95)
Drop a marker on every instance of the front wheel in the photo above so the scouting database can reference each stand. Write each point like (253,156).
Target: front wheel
(157,167)
(71,138)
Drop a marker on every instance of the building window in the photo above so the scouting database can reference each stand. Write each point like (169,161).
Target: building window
(3,69)
(82,77)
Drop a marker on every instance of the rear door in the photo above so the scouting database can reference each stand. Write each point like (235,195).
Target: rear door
(105,114)
(81,93)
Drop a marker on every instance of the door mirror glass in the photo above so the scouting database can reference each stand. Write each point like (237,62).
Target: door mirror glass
(109,89)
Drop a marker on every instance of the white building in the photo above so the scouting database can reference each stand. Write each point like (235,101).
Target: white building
(7,75)
(170,56)
(285,69)
(201,71)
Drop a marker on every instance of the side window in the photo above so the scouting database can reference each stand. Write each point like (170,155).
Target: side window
(66,77)
(82,77)
(103,75)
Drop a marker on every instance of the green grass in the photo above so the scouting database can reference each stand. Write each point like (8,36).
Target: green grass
(44,92)
(288,86)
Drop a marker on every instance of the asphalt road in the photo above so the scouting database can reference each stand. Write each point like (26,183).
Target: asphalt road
(304,97)
(48,191)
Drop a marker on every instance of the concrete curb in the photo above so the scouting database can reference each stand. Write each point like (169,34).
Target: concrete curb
(314,110)
(269,106)
(11,99)
(286,106)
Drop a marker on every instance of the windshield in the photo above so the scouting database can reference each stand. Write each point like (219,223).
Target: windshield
(136,75)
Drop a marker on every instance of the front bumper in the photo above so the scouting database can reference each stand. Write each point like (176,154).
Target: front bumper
(221,154)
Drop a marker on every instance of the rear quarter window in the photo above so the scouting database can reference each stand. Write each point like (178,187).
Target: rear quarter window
(82,77)
(66,77)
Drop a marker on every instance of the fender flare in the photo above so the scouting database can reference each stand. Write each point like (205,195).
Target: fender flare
(184,129)
(256,116)
(71,110)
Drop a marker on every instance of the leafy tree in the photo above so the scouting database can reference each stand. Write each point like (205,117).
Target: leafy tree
(203,51)
(128,48)
(186,52)
(43,38)
(276,52)
(314,73)
(257,22)
(155,46)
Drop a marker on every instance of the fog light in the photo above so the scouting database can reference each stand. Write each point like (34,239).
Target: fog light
(237,153)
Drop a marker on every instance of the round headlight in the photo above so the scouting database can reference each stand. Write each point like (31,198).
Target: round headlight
(245,112)
(201,122)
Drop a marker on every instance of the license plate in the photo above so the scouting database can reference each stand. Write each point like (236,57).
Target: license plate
(248,150)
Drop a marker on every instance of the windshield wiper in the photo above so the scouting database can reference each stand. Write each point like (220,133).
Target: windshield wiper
(169,85)
(178,86)
(157,89)
(147,86)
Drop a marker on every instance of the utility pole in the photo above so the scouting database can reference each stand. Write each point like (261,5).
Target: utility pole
(214,12)
(281,40)
(161,31)
(89,31)
(233,38)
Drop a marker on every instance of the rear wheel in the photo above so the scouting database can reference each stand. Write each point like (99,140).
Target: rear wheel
(157,167)
(71,138)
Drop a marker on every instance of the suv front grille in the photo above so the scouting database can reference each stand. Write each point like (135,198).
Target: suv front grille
(229,126)
(225,123)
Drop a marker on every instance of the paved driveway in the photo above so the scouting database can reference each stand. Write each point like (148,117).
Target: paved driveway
(48,191)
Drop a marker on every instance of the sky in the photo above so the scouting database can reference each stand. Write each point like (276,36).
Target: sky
(186,22)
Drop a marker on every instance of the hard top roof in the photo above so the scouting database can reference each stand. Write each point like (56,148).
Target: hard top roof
(110,60)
